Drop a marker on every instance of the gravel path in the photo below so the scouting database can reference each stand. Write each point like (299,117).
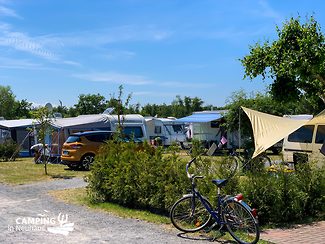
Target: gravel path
(30,215)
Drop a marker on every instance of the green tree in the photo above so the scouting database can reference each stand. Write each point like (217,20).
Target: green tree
(43,117)
(295,61)
(23,109)
(263,103)
(91,104)
(7,103)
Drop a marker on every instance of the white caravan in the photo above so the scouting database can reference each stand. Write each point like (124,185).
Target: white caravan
(167,129)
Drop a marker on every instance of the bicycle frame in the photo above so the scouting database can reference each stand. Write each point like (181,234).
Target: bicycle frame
(215,213)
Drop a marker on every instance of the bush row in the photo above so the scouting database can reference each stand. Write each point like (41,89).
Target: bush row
(147,178)
(7,150)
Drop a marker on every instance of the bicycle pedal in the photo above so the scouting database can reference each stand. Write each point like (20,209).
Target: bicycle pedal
(222,229)
(211,227)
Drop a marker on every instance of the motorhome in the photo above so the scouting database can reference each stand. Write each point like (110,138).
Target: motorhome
(167,129)
(307,140)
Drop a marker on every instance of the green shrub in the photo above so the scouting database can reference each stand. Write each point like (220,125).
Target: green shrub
(137,177)
(284,197)
(7,150)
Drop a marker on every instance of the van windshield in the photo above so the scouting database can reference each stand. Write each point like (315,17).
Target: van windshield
(302,135)
(72,139)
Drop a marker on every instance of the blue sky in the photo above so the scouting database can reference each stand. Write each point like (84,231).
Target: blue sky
(55,50)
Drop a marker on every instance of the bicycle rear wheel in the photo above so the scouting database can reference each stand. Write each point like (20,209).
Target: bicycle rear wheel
(240,223)
(188,214)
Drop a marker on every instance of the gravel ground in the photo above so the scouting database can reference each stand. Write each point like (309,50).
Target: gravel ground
(30,215)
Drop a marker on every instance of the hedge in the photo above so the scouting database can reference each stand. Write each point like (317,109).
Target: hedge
(145,178)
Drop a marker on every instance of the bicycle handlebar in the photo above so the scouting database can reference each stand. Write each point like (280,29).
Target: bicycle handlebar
(192,176)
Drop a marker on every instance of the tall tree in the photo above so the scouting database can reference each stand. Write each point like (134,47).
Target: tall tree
(23,109)
(295,61)
(7,103)
(91,104)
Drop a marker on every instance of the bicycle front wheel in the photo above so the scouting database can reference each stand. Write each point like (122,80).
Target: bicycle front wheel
(188,214)
(240,223)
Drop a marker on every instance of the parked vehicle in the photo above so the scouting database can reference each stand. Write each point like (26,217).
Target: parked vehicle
(80,149)
(307,140)
(167,129)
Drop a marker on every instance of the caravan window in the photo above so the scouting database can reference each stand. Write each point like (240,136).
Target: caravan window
(320,135)
(133,131)
(178,128)
(157,129)
(215,124)
(302,135)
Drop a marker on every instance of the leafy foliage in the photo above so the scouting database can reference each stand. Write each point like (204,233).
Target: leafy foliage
(284,197)
(295,61)
(263,103)
(91,104)
(136,176)
(178,108)
(7,150)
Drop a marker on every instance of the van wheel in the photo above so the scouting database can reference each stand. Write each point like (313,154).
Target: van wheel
(86,161)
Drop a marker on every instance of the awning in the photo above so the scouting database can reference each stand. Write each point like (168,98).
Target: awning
(200,118)
(16,123)
(80,120)
(269,129)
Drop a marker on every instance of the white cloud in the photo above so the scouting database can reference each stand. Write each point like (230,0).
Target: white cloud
(267,11)
(11,63)
(138,80)
(111,35)
(4,11)
(118,54)
(116,78)
(22,42)
(72,63)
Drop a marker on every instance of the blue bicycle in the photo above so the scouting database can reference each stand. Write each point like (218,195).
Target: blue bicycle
(193,212)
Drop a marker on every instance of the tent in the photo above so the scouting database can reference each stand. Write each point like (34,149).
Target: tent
(19,131)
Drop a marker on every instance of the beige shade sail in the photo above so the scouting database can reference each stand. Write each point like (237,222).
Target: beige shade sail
(269,129)
(319,119)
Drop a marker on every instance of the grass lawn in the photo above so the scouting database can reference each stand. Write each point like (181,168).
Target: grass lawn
(24,171)
(78,196)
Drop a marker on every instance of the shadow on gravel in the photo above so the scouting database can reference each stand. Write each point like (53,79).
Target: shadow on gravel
(202,237)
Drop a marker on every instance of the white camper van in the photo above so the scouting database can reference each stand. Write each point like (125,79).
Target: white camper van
(307,140)
(167,129)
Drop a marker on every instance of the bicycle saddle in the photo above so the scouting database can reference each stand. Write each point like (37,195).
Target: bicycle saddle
(220,183)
